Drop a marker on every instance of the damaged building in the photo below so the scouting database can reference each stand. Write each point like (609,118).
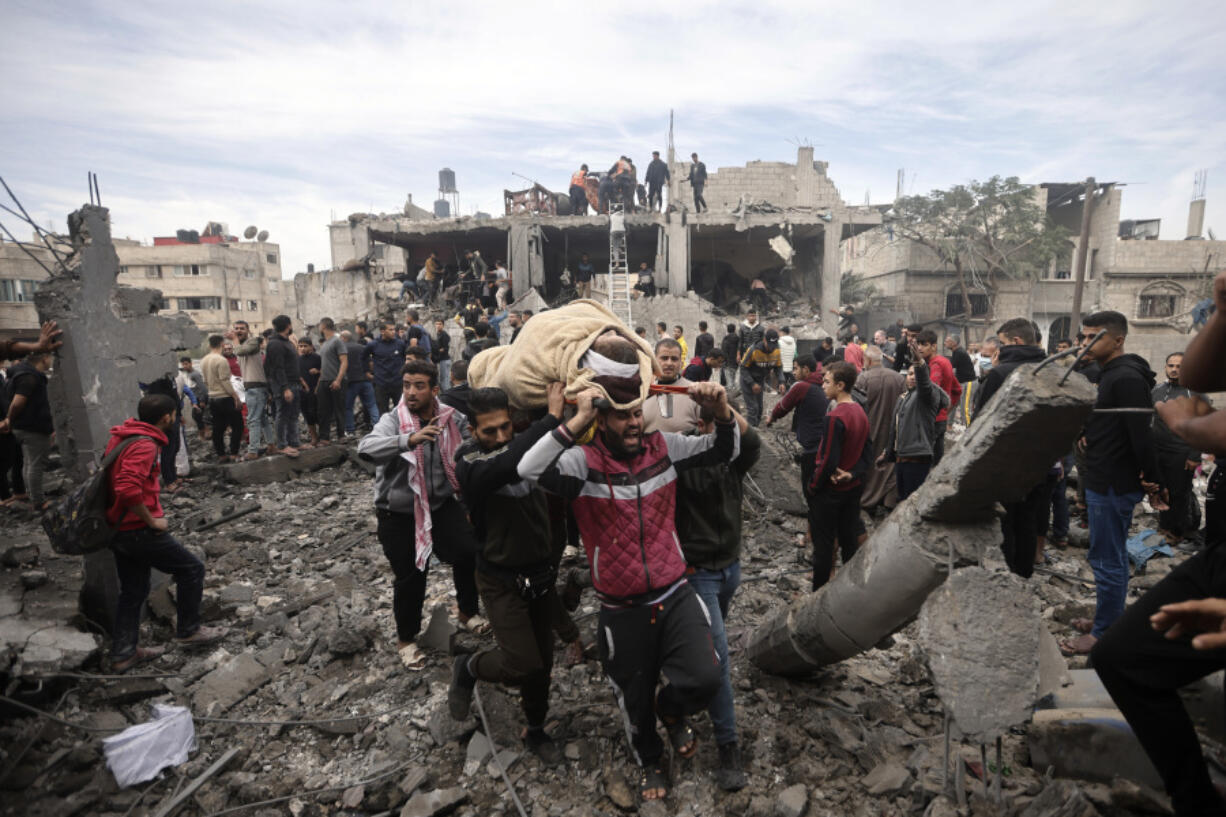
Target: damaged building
(777,221)
(1156,283)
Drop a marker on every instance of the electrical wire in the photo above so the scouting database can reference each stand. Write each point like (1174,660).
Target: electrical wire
(489,736)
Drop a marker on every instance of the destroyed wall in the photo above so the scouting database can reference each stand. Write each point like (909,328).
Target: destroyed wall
(340,295)
(804,184)
(1104,232)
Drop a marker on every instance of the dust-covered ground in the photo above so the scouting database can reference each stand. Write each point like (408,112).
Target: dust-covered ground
(306,592)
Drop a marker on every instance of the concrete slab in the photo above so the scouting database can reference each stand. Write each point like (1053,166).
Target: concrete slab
(230,683)
(1089,744)
(281,468)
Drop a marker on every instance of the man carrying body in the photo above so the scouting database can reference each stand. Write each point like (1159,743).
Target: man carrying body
(387,361)
(281,366)
(670,412)
(881,388)
(417,503)
(330,393)
(515,571)
(623,486)
(709,525)
(698,179)
(1121,467)
(657,176)
(758,364)
(1177,461)
(142,541)
(255,387)
(225,408)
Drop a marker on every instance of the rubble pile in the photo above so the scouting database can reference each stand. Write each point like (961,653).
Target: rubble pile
(305,709)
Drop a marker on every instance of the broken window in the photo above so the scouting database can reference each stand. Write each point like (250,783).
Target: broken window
(200,302)
(163,303)
(980,304)
(271,257)
(1157,305)
(190,270)
(234,305)
(154,271)
(252,306)
(17,291)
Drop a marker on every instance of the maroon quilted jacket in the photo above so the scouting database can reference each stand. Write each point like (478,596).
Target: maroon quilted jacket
(626,507)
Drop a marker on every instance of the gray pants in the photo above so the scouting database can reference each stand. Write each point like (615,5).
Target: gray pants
(287,419)
(35,448)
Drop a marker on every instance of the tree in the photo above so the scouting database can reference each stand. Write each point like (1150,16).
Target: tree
(997,227)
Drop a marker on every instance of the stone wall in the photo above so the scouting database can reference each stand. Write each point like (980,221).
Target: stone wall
(804,184)
(339,295)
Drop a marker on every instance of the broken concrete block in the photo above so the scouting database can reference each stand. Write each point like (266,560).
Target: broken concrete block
(792,801)
(33,579)
(1089,744)
(886,778)
(950,519)
(45,646)
(229,683)
(980,631)
(1060,798)
(18,555)
(439,632)
(281,468)
(1053,666)
(439,801)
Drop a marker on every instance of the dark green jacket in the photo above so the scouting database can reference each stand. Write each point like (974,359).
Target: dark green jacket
(509,514)
(709,508)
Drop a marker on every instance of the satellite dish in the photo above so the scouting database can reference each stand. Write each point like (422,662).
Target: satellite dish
(249,233)
(263,236)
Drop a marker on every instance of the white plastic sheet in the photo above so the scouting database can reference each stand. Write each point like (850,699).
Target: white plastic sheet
(139,752)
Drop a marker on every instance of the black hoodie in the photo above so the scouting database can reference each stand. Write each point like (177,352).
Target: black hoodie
(1010,358)
(1119,447)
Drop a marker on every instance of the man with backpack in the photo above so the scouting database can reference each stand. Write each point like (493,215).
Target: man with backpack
(142,540)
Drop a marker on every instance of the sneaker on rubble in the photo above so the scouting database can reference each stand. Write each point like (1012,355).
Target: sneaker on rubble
(460,693)
(730,776)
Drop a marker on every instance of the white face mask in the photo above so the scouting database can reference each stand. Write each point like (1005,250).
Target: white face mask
(985,362)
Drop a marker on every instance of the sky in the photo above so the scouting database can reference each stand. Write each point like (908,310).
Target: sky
(287,115)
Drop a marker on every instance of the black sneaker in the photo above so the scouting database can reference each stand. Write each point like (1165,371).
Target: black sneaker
(730,776)
(538,742)
(460,693)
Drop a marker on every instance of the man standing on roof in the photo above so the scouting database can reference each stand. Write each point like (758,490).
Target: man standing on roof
(657,177)
(698,179)
(578,191)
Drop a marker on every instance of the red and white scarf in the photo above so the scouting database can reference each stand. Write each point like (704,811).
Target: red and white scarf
(448,441)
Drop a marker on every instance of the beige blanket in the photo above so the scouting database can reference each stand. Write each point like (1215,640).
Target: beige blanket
(548,349)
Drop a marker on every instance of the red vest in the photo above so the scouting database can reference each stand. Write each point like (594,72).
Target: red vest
(626,514)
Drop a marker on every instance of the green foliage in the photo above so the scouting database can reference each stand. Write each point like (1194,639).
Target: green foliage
(991,228)
(855,290)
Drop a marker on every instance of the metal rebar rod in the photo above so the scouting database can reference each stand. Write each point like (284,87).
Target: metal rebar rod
(37,230)
(21,246)
(1000,771)
(983,761)
(1082,354)
(1072,350)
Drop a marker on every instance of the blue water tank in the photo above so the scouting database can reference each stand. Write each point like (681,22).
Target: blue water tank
(446,180)
(442,209)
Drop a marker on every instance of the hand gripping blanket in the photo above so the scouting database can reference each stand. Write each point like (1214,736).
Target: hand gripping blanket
(551,347)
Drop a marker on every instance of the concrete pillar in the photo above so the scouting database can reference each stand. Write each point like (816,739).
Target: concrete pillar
(526,259)
(1196,218)
(114,340)
(677,238)
(831,267)
(947,522)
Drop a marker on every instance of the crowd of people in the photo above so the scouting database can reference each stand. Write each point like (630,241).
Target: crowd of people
(620,185)
(653,492)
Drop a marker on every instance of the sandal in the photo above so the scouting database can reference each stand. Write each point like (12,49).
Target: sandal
(1084,626)
(1081,645)
(412,657)
(141,656)
(475,624)
(654,784)
(682,737)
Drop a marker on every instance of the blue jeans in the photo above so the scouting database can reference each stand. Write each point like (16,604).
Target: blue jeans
(363,390)
(259,424)
(716,588)
(287,419)
(135,552)
(444,374)
(1110,514)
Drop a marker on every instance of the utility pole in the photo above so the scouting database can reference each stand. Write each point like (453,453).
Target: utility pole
(1083,252)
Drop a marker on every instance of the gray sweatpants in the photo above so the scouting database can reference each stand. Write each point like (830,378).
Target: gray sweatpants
(35,449)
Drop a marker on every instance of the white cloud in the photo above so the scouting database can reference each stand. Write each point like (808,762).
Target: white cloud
(281,114)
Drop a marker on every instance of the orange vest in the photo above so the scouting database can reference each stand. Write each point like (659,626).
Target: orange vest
(577,180)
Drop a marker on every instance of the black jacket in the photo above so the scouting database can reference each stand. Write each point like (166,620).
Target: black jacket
(1010,358)
(1119,447)
(510,515)
(964,367)
(36,415)
(281,364)
(1167,441)
(698,174)
(703,345)
(731,347)
(709,507)
(657,172)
